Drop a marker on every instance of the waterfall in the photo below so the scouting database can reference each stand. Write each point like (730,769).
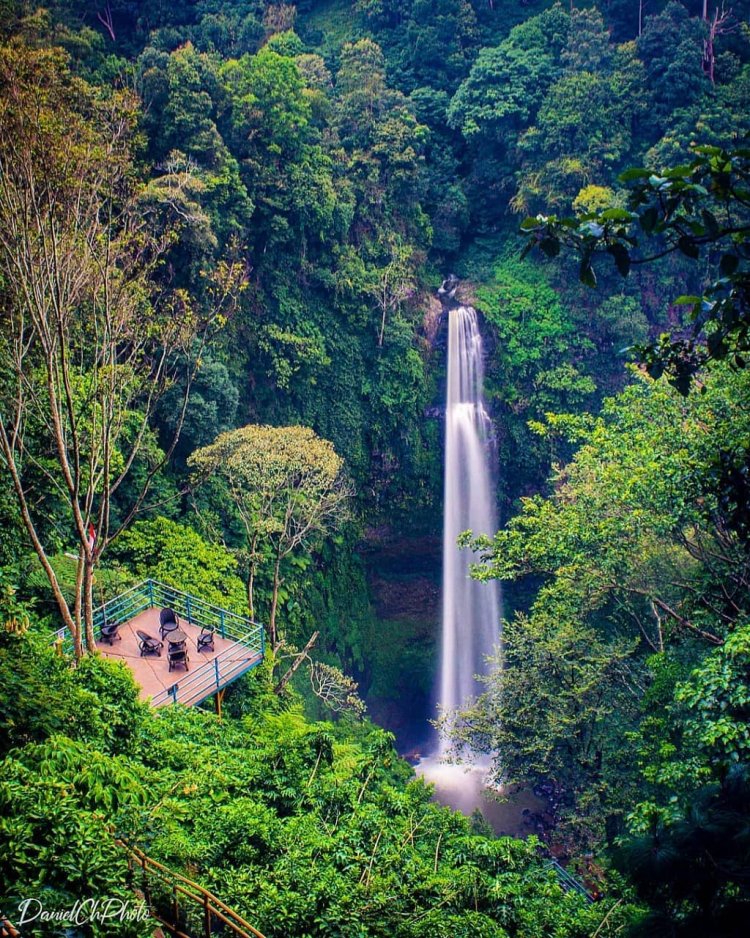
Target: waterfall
(471,609)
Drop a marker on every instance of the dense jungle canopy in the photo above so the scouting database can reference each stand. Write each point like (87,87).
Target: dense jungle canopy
(222,366)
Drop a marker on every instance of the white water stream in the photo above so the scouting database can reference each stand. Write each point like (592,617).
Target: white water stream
(471,609)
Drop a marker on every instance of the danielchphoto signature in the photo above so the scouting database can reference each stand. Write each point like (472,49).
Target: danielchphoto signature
(82,912)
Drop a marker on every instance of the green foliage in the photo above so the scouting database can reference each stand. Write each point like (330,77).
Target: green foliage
(289,491)
(635,509)
(58,845)
(39,695)
(584,126)
(507,83)
(634,556)
(686,849)
(698,207)
(176,554)
(43,696)
(312,833)
(536,366)
(34,583)
(553,714)
(342,154)
(670,48)
(304,828)
(211,408)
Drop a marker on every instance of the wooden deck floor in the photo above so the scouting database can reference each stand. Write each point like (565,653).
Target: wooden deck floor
(152,672)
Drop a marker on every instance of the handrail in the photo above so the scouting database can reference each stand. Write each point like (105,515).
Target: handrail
(149,593)
(210,906)
(196,602)
(568,882)
(213,675)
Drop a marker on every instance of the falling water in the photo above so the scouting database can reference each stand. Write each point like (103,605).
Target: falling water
(471,609)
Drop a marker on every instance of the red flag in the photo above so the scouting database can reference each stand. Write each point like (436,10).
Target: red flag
(92,536)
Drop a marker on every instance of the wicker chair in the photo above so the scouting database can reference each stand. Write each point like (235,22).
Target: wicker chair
(167,621)
(205,641)
(109,633)
(178,657)
(147,645)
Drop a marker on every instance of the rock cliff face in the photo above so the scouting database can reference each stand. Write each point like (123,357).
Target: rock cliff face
(432,320)
(447,291)
(445,299)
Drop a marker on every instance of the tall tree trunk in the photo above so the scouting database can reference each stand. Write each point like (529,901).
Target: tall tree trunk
(274,602)
(78,604)
(251,578)
(381,333)
(250,591)
(62,604)
(720,24)
(88,600)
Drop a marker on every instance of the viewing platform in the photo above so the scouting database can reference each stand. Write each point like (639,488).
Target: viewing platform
(237,645)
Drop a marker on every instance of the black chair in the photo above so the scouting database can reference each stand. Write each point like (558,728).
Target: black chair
(205,641)
(109,633)
(178,657)
(167,621)
(148,645)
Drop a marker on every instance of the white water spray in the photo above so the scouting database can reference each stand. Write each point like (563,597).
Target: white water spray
(471,609)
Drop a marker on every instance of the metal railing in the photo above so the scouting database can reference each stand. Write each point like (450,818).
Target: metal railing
(186,909)
(151,593)
(568,882)
(215,675)
(64,640)
(246,651)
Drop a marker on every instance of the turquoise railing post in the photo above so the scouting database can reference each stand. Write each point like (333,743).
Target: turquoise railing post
(216,668)
(151,593)
(221,625)
(187,608)
(173,691)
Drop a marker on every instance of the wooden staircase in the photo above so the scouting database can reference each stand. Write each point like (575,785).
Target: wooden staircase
(185,909)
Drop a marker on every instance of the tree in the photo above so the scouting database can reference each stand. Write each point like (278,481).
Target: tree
(588,48)
(634,528)
(636,556)
(90,341)
(189,97)
(442,35)
(687,845)
(507,82)
(288,487)
(212,407)
(698,209)
(177,555)
(393,284)
(587,121)
(361,81)
(722,23)
(552,715)
(670,48)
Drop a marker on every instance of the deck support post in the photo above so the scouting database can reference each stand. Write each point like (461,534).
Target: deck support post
(218,700)
(206,918)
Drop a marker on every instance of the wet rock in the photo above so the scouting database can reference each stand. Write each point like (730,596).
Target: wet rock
(448,287)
